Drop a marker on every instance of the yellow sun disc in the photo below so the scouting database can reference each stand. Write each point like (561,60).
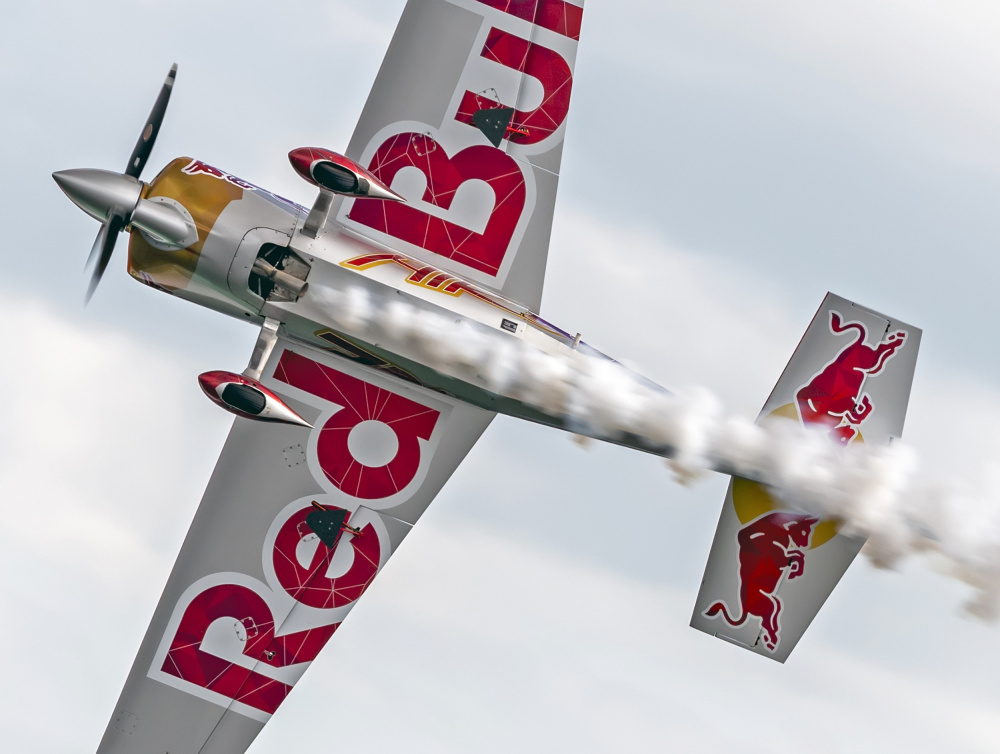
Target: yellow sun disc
(751,500)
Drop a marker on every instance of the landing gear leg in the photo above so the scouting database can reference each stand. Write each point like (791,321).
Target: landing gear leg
(262,350)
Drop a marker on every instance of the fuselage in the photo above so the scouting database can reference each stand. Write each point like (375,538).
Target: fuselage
(240,225)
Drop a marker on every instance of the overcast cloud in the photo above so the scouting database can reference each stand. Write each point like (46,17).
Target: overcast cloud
(763,154)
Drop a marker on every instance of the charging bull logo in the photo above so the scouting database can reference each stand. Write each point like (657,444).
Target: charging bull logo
(770,547)
(834,396)
(772,543)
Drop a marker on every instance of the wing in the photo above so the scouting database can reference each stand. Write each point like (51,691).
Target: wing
(770,570)
(480,211)
(255,594)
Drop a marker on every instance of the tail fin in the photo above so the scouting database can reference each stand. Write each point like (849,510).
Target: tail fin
(852,373)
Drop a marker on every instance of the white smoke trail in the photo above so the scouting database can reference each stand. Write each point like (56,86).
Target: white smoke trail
(876,493)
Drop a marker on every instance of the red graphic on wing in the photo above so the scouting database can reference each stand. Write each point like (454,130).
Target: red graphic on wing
(773,546)
(361,401)
(534,60)
(833,396)
(770,547)
(309,584)
(554,15)
(423,275)
(251,616)
(484,252)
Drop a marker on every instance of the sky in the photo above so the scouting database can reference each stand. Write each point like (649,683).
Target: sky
(725,165)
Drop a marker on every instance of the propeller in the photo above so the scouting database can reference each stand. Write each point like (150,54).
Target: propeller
(148,136)
(112,197)
(104,244)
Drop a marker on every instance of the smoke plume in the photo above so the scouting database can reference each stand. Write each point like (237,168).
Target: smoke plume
(876,492)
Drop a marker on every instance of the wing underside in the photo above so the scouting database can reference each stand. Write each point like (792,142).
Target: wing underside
(480,211)
(255,594)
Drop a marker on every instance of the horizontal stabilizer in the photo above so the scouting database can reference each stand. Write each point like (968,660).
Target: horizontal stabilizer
(770,570)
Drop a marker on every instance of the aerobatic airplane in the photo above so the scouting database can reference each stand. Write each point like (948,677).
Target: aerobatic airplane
(360,399)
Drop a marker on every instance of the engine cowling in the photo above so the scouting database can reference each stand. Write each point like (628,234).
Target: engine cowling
(248,398)
(339,174)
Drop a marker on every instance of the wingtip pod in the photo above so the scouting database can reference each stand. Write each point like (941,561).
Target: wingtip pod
(248,398)
(849,381)
(339,174)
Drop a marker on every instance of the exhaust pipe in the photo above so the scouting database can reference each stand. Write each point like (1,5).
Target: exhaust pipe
(291,284)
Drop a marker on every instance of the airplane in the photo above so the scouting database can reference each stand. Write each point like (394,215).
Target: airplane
(398,315)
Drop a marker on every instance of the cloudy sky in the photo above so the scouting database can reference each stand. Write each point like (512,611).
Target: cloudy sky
(726,164)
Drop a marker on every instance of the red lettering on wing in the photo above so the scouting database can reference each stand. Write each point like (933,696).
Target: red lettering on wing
(309,584)
(188,661)
(361,401)
(533,60)
(554,15)
(484,252)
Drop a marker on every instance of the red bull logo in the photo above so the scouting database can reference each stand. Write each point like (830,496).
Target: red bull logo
(771,547)
(834,397)
(772,544)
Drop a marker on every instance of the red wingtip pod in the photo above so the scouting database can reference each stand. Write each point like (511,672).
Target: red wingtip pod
(339,174)
(245,397)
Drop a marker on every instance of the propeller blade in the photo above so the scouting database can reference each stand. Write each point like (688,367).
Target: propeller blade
(109,231)
(148,136)
(95,250)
